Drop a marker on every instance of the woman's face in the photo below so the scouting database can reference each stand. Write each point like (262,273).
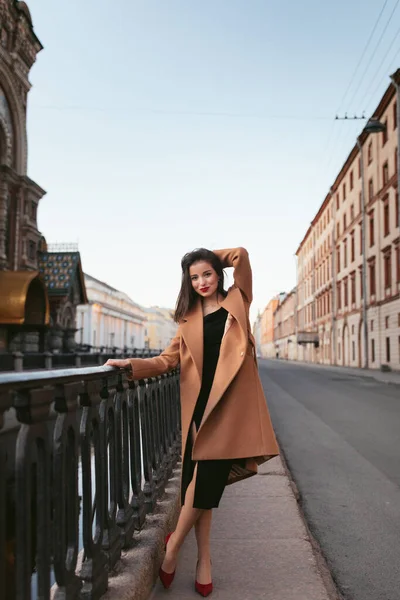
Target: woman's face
(204,278)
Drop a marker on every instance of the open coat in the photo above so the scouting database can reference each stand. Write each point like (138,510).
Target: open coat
(236,421)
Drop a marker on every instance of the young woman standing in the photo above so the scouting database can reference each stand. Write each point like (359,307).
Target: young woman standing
(226,427)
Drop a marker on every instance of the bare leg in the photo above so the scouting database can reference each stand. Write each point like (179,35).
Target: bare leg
(187,519)
(203,528)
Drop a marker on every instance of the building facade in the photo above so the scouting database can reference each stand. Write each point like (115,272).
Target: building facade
(285,329)
(267,327)
(110,319)
(347,297)
(24,308)
(160,327)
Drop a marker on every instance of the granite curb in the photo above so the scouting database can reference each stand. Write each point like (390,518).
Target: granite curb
(137,570)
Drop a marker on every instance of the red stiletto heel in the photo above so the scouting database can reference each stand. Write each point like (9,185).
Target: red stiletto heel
(204,589)
(166,578)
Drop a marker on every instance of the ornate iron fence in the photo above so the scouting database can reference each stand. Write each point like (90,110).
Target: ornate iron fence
(84,456)
(18,361)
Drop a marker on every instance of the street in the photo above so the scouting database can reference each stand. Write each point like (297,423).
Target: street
(340,434)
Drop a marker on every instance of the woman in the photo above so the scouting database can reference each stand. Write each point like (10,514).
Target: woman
(226,427)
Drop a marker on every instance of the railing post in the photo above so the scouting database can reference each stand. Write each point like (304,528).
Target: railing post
(94,572)
(18,361)
(136,449)
(48,360)
(112,542)
(33,492)
(7,577)
(149,490)
(125,515)
(65,494)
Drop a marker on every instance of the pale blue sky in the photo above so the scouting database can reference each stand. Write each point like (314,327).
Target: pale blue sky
(157,126)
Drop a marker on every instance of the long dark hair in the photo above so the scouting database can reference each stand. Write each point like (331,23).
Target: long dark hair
(187,295)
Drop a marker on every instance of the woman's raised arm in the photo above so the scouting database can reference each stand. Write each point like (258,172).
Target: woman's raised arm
(238,258)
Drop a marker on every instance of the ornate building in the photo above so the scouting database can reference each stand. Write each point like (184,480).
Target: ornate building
(25,264)
(24,309)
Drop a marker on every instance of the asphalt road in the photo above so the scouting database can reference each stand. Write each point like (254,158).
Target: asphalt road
(340,435)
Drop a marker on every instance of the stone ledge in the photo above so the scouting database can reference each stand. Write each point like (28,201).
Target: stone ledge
(137,569)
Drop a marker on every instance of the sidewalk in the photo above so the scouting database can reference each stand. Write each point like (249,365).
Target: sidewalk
(260,547)
(392,377)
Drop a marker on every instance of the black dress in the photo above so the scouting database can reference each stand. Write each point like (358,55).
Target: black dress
(212,475)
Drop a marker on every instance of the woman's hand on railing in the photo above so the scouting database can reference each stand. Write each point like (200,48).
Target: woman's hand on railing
(119,363)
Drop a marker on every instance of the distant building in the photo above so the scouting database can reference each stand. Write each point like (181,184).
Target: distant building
(285,327)
(267,345)
(160,327)
(111,319)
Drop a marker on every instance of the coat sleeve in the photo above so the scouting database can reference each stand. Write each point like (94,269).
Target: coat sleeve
(238,258)
(152,367)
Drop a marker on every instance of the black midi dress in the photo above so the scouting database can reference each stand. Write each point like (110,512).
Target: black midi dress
(212,475)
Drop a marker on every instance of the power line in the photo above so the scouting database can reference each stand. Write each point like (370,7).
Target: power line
(385,76)
(332,139)
(363,54)
(181,112)
(373,53)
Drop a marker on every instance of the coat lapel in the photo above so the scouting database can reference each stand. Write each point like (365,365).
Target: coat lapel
(192,332)
(233,350)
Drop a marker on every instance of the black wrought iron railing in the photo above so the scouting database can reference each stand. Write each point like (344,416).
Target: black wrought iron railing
(84,456)
(18,361)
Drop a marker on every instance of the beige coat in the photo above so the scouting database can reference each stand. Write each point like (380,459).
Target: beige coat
(236,421)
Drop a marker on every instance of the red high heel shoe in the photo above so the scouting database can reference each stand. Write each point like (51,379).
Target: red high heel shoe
(204,589)
(166,578)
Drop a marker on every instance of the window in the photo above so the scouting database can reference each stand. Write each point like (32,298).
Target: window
(33,210)
(344,222)
(351,180)
(394,115)
(372,278)
(384,133)
(352,330)
(371,229)
(353,289)
(396,209)
(387,261)
(339,296)
(398,320)
(337,201)
(398,266)
(370,190)
(386,215)
(361,284)
(345,292)
(352,212)
(31,250)
(385,173)
(361,240)
(345,254)
(352,247)
(353,350)
(359,168)
(338,260)
(344,192)
(338,230)
(370,153)
(372,324)
(373,350)
(388,350)
(386,322)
